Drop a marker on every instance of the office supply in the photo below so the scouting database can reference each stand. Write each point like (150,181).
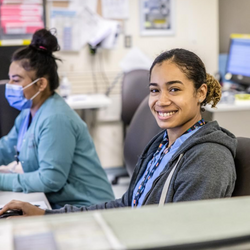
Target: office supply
(238,62)
(9,213)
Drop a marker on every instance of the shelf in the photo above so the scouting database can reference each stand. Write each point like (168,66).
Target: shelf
(14,42)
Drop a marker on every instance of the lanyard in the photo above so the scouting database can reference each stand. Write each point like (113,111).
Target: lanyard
(150,170)
(22,131)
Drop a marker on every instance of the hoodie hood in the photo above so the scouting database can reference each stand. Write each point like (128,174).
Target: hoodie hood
(211,132)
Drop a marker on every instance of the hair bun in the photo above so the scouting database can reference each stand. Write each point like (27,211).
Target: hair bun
(45,41)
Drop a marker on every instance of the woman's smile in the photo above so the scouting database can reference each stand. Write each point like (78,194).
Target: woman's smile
(164,115)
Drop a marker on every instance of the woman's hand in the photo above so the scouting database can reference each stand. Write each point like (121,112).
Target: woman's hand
(27,208)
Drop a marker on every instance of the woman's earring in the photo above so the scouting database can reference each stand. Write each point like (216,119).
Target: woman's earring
(200,101)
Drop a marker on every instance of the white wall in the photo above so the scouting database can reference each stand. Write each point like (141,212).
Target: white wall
(233,18)
(196,29)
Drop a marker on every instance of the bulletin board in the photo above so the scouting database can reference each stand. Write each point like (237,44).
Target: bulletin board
(157,17)
(79,23)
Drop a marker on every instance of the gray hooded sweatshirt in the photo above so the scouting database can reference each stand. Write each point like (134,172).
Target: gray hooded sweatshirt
(206,171)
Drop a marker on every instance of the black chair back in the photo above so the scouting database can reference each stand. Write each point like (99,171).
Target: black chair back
(134,90)
(141,130)
(242,165)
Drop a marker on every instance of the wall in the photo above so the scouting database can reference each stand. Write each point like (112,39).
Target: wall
(233,18)
(196,29)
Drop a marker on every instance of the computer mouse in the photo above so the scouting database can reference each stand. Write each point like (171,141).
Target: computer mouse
(11,213)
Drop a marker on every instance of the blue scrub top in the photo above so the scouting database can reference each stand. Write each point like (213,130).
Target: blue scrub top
(58,157)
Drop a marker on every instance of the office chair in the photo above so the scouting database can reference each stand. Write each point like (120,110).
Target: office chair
(7,113)
(242,165)
(141,130)
(134,90)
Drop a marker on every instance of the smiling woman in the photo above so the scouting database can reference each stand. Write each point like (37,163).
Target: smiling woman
(190,159)
(179,86)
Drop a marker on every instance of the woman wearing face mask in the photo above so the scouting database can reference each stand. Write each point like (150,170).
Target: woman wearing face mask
(50,140)
(198,155)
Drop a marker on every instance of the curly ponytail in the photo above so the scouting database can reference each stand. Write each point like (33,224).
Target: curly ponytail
(213,91)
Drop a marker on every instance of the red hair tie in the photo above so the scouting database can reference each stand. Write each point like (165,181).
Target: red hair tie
(41,47)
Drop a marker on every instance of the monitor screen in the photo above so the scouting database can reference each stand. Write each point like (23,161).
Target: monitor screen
(238,62)
(5,59)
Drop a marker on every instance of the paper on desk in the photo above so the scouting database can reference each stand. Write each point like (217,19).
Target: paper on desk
(13,167)
(40,204)
(39,241)
(78,231)
(33,234)
(6,237)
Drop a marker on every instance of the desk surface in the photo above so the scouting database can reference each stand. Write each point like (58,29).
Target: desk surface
(6,197)
(224,107)
(148,227)
(92,101)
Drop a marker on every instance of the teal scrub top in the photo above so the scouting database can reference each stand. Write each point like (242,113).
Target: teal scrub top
(58,157)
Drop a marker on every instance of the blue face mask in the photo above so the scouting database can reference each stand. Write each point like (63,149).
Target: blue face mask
(15,97)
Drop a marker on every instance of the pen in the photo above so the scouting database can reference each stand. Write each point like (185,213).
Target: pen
(16,155)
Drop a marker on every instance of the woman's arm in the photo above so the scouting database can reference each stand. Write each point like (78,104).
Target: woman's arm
(55,155)
(30,210)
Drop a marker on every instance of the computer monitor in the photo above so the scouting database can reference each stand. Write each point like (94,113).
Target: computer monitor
(238,62)
(5,59)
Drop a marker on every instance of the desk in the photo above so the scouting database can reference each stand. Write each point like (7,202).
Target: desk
(6,197)
(147,227)
(234,117)
(93,101)
(87,105)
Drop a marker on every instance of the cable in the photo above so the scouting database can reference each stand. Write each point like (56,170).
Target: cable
(93,75)
(118,76)
(102,70)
